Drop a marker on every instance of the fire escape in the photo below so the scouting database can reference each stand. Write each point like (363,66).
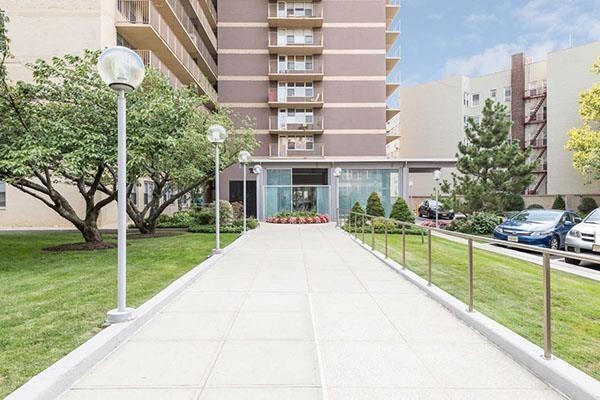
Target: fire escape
(538,142)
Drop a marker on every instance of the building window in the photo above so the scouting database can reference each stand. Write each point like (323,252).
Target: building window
(493,94)
(306,143)
(148,188)
(507,94)
(2,194)
(133,194)
(475,100)
(477,119)
(167,195)
(466,99)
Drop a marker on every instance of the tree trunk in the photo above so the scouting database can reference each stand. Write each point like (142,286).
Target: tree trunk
(148,227)
(91,234)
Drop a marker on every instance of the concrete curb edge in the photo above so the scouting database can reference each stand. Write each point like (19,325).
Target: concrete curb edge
(557,373)
(60,376)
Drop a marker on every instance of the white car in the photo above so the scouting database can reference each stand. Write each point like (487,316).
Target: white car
(584,237)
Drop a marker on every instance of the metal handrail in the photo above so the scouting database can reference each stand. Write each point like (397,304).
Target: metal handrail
(546,253)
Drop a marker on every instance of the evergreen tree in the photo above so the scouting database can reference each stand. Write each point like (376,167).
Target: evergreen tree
(374,206)
(491,168)
(401,212)
(559,203)
(355,212)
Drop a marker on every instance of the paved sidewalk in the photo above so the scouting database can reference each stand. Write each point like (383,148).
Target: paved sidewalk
(303,313)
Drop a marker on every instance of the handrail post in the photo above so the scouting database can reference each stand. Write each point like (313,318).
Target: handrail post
(385,229)
(363,228)
(429,257)
(372,235)
(547,309)
(470,277)
(403,246)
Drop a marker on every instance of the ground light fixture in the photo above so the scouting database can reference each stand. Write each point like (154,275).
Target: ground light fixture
(257,169)
(216,134)
(244,158)
(337,172)
(437,174)
(123,70)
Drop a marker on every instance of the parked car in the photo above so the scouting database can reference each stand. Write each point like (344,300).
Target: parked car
(584,237)
(428,207)
(545,228)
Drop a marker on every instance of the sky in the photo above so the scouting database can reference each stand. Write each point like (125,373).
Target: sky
(442,38)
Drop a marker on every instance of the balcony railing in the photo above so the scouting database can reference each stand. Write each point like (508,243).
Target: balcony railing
(143,12)
(293,17)
(276,150)
(274,96)
(535,118)
(279,124)
(539,142)
(207,5)
(151,60)
(314,40)
(193,33)
(535,92)
(316,67)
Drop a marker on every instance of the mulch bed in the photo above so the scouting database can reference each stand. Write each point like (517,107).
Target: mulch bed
(81,247)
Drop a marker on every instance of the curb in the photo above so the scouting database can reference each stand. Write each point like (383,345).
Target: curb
(60,376)
(562,376)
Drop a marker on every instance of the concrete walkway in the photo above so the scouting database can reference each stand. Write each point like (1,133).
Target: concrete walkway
(303,313)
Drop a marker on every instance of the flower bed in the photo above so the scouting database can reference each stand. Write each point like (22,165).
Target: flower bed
(318,219)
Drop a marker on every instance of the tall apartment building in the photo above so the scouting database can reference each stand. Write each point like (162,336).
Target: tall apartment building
(176,36)
(541,97)
(313,75)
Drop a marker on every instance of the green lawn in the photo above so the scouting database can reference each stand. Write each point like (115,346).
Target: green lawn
(53,302)
(510,292)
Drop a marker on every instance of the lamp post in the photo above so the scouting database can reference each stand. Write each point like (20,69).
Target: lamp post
(217,134)
(436,177)
(122,70)
(244,158)
(257,169)
(337,172)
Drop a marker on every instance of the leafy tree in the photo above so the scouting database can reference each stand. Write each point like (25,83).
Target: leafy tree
(584,141)
(61,128)
(374,206)
(401,212)
(559,203)
(514,202)
(491,168)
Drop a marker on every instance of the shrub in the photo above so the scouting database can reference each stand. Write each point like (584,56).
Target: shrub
(288,214)
(443,224)
(204,217)
(251,223)
(356,209)
(460,225)
(238,209)
(225,212)
(483,223)
(380,224)
(559,203)
(180,219)
(195,228)
(401,212)
(587,205)
(374,206)
(514,202)
(535,206)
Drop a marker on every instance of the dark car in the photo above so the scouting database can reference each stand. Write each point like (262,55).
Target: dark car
(545,228)
(428,207)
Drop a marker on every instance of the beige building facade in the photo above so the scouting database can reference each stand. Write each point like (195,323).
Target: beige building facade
(542,99)
(176,36)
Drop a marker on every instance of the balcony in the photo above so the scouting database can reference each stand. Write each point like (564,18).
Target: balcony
(194,40)
(296,45)
(392,58)
(391,9)
(315,127)
(151,60)
(279,99)
(392,83)
(295,18)
(537,118)
(144,27)
(391,113)
(280,151)
(209,11)
(390,37)
(295,72)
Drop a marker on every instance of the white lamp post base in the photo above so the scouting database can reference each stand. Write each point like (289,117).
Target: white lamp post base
(217,251)
(115,316)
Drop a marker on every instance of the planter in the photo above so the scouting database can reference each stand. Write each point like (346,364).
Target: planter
(319,219)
